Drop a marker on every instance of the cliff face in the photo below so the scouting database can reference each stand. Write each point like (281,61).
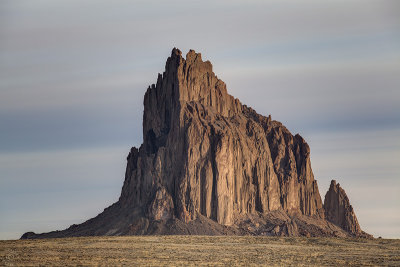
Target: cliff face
(212,155)
(210,165)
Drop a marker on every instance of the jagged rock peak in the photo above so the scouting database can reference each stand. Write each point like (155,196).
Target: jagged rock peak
(216,156)
(183,81)
(210,165)
(190,79)
(338,209)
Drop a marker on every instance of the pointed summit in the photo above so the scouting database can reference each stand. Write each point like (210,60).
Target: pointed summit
(338,209)
(210,165)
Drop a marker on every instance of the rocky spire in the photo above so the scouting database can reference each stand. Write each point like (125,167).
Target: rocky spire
(216,156)
(339,211)
(183,81)
(208,162)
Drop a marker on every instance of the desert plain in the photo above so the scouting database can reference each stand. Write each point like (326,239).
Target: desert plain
(200,250)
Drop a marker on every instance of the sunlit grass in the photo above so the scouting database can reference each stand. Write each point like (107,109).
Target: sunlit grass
(198,250)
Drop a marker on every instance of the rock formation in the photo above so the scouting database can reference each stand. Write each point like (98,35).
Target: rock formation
(339,211)
(211,165)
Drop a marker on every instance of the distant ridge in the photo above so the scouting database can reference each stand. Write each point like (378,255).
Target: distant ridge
(209,165)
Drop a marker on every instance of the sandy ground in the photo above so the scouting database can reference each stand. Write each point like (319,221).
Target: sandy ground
(200,250)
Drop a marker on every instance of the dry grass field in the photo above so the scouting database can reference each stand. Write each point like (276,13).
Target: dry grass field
(200,250)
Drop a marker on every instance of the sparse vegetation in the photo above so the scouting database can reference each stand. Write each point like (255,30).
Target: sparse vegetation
(200,250)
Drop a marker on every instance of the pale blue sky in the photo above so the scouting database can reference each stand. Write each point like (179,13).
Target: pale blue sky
(73,76)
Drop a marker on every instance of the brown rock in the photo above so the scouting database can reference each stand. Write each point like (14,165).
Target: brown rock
(210,165)
(339,211)
(162,206)
(216,156)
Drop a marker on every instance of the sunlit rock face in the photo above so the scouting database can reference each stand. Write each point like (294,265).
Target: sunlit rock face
(215,156)
(211,165)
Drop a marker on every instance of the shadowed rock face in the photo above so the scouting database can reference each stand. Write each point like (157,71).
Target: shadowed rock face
(339,211)
(210,165)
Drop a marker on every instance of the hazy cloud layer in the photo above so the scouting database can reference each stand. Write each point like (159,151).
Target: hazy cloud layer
(73,76)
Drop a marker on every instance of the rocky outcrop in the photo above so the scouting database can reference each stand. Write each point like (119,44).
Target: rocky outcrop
(207,159)
(216,156)
(339,211)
